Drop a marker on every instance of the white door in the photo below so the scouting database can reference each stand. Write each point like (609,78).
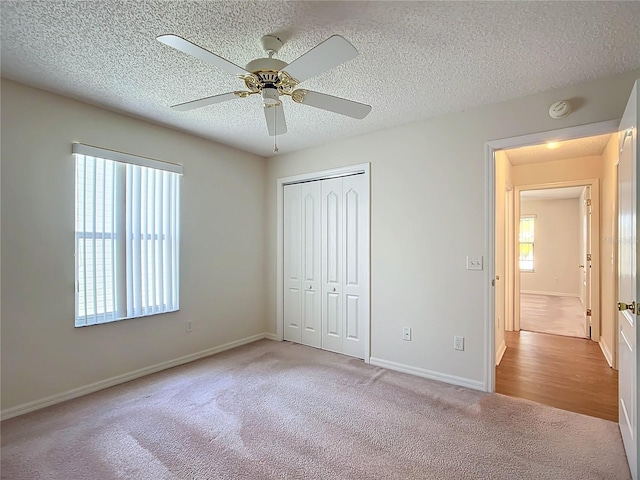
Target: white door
(586,261)
(292,237)
(311,273)
(345,307)
(326,280)
(627,285)
(302,233)
(355,304)
(332,265)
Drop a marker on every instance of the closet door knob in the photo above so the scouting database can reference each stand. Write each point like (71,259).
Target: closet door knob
(309,287)
(333,289)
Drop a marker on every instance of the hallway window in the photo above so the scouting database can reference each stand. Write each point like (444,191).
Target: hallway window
(526,243)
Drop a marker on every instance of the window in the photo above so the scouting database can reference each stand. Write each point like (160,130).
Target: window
(127,236)
(526,243)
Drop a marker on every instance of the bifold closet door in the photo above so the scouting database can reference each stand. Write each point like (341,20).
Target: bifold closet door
(302,277)
(345,298)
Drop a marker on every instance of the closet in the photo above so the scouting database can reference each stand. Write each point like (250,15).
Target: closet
(326,285)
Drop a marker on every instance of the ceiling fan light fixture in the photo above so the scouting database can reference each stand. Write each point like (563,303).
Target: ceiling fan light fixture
(270,96)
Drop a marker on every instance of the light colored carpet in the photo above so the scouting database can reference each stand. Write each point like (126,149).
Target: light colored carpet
(273,410)
(551,314)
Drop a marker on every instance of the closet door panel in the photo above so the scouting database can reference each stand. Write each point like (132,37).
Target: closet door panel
(355,289)
(352,317)
(311,265)
(332,265)
(292,263)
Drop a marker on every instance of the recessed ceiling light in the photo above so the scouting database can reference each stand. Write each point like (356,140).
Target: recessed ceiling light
(553,145)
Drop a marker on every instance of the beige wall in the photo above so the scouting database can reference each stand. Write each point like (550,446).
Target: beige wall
(222,241)
(609,235)
(428,213)
(556,247)
(581,168)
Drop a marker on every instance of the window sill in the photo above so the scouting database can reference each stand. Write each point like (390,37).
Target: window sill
(105,322)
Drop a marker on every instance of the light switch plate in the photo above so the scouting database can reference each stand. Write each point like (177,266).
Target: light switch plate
(474,263)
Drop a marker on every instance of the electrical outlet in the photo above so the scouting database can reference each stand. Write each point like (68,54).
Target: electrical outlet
(189,327)
(474,263)
(406,333)
(458,343)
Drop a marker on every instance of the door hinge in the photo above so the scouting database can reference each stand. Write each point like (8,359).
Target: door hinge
(588,202)
(588,257)
(627,134)
(588,312)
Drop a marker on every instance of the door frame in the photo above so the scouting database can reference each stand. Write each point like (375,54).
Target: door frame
(594,183)
(588,130)
(362,168)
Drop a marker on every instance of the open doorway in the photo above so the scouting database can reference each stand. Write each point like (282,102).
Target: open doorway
(554,246)
(555,325)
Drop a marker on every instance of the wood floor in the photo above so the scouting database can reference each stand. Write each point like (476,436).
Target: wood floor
(552,314)
(564,372)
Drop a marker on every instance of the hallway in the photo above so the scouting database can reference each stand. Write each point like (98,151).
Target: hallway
(563,372)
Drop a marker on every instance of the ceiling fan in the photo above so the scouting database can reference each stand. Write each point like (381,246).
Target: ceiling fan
(273,78)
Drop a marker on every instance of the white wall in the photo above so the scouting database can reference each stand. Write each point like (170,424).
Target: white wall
(222,256)
(556,246)
(609,250)
(428,213)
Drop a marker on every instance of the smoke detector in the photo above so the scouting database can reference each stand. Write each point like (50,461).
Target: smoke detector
(560,109)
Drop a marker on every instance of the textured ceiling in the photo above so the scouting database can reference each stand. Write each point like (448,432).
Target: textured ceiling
(551,193)
(578,147)
(417,59)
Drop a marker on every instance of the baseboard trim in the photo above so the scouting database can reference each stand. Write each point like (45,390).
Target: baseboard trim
(125,377)
(553,294)
(606,351)
(272,336)
(501,349)
(421,372)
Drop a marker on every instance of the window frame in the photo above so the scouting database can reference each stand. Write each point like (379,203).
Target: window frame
(532,218)
(119,235)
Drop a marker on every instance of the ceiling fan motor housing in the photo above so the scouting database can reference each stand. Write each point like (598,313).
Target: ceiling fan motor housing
(265,64)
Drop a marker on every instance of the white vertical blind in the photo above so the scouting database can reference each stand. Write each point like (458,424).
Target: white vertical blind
(152,244)
(145,227)
(95,241)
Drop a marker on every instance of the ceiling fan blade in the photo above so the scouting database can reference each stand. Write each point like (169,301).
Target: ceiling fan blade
(276,124)
(333,104)
(203,102)
(194,50)
(332,52)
